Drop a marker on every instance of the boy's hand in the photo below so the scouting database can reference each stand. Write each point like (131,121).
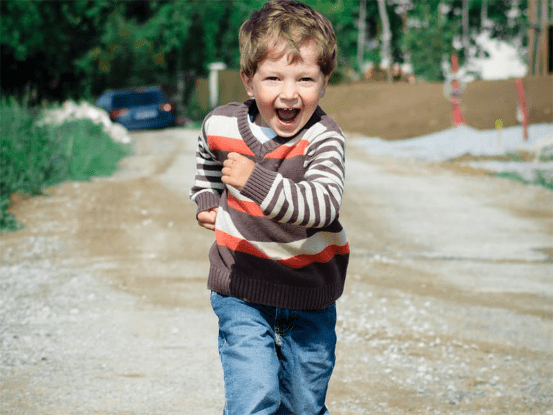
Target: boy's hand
(206,218)
(237,170)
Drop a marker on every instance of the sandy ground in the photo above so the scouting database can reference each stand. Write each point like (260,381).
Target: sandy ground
(447,310)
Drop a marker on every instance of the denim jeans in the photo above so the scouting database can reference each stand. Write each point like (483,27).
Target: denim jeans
(275,361)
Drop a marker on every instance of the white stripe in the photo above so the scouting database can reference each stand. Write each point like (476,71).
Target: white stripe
(288,197)
(207,162)
(278,207)
(310,206)
(210,185)
(322,211)
(271,193)
(224,223)
(310,246)
(195,195)
(209,173)
(301,205)
(282,251)
(222,125)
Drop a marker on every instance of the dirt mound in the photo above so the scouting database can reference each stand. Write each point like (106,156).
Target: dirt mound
(402,110)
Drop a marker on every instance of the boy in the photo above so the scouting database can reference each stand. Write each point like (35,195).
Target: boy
(269,182)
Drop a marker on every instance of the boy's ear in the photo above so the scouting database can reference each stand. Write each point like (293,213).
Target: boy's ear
(247,83)
(323,89)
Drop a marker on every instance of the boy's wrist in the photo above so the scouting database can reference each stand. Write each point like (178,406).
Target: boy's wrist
(206,201)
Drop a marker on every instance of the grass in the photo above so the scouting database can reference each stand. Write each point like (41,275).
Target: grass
(540,180)
(34,156)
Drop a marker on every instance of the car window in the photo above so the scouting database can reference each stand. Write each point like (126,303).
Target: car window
(134,99)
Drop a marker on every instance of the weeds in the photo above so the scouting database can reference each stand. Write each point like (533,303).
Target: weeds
(34,156)
(540,179)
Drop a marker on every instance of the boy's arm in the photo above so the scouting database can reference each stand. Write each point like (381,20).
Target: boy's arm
(208,186)
(312,202)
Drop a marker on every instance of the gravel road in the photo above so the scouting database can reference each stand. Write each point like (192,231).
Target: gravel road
(448,304)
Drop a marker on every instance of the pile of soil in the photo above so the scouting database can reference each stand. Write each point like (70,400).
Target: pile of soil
(402,110)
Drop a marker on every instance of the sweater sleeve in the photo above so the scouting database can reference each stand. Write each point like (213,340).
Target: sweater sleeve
(313,202)
(208,186)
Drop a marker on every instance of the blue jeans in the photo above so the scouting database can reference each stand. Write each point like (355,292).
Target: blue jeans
(275,361)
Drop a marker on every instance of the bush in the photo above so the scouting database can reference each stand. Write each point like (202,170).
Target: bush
(34,156)
(194,109)
(429,45)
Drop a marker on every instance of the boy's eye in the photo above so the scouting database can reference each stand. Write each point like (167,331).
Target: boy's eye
(306,79)
(272,78)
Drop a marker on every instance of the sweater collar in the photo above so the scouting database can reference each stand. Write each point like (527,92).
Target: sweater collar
(260,150)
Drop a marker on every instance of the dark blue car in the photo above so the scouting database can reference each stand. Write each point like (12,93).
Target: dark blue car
(139,108)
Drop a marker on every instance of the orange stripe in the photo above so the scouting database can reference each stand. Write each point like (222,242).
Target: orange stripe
(228,144)
(325,255)
(288,152)
(251,208)
(238,244)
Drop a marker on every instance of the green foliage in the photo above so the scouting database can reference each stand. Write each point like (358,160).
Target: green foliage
(40,41)
(130,53)
(77,49)
(194,109)
(540,179)
(34,156)
(430,44)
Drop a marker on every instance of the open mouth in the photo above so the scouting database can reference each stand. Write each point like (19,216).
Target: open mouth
(287,115)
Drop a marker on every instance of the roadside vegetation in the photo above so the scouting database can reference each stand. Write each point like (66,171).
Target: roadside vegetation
(34,156)
(540,179)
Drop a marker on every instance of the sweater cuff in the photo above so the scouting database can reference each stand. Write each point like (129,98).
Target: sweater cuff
(205,201)
(259,184)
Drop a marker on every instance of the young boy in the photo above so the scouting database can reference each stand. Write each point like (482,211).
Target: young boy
(269,182)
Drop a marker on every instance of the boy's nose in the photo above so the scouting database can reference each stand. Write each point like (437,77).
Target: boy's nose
(289,91)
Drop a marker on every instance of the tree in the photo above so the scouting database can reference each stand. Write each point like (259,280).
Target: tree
(40,39)
(386,37)
(430,42)
(68,48)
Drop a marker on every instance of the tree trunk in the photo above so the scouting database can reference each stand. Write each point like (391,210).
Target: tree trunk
(386,37)
(361,34)
(483,23)
(466,42)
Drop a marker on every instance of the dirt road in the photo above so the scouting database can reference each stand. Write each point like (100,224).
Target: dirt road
(448,305)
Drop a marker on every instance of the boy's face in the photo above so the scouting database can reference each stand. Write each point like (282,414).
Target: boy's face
(287,94)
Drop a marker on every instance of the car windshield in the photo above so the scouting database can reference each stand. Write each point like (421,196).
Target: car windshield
(134,99)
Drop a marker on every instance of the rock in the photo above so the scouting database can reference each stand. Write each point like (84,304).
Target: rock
(72,111)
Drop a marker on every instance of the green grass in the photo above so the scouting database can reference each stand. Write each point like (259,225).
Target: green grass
(34,156)
(539,181)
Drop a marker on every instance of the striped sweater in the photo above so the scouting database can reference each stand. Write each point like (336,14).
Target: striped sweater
(278,242)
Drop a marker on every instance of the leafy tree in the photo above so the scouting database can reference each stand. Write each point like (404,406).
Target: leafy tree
(68,48)
(429,41)
(130,53)
(40,39)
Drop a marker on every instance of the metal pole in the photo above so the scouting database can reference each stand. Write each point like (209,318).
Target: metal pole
(214,69)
